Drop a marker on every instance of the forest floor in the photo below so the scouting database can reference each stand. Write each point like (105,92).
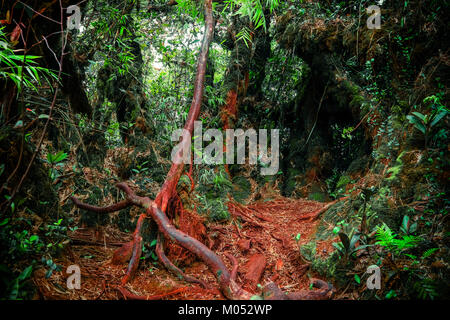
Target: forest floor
(265,240)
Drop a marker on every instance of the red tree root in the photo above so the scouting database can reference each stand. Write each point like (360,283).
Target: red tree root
(115,207)
(254,269)
(235,266)
(136,250)
(272,292)
(227,284)
(171,267)
(131,296)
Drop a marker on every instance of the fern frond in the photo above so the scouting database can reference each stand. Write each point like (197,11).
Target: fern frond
(429,252)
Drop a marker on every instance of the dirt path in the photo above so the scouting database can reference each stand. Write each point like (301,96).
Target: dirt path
(264,237)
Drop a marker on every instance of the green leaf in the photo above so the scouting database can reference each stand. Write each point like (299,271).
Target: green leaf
(18,124)
(362,247)
(357,279)
(60,156)
(413,227)
(48,274)
(391,294)
(419,115)
(438,117)
(339,246)
(418,125)
(345,241)
(25,273)
(405,224)
(355,239)
(410,256)
(429,252)
(15,290)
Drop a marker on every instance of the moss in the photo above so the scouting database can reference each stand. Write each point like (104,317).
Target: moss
(91,218)
(291,181)
(92,152)
(326,266)
(308,251)
(241,190)
(358,165)
(317,196)
(343,181)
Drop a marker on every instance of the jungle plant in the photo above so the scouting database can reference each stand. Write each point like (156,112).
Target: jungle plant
(407,227)
(58,235)
(425,289)
(348,245)
(21,69)
(425,123)
(387,238)
(14,288)
(55,160)
(51,265)
(213,190)
(254,11)
(140,168)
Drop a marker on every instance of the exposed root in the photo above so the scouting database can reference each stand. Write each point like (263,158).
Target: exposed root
(173,268)
(127,295)
(235,266)
(272,292)
(115,207)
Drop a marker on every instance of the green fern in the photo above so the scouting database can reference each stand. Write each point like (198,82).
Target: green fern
(429,252)
(254,11)
(387,238)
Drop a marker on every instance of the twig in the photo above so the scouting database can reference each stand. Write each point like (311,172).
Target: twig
(317,115)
